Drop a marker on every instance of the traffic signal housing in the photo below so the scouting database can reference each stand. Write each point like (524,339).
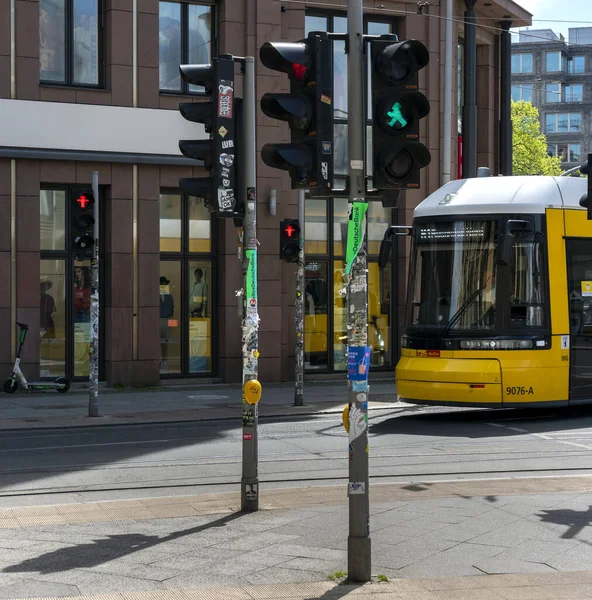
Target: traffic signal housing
(586,199)
(218,115)
(307,108)
(82,225)
(397,107)
(289,240)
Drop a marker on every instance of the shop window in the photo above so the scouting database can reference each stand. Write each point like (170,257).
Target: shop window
(186,279)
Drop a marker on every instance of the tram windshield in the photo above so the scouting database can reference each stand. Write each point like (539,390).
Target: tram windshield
(453,281)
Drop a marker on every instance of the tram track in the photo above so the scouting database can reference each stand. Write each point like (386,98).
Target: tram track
(163,460)
(414,478)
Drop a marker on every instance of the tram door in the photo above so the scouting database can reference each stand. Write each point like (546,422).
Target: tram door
(579,273)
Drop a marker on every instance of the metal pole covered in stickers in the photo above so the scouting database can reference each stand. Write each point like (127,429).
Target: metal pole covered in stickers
(250,321)
(93,375)
(300,308)
(358,352)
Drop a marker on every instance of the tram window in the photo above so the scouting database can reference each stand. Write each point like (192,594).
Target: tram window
(527,289)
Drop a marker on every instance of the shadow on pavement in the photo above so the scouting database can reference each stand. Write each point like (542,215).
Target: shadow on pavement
(575,520)
(105,549)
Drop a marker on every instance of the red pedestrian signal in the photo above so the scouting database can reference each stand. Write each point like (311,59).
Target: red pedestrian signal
(289,240)
(82,225)
(83,200)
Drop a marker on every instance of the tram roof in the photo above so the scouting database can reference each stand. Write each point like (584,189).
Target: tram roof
(497,195)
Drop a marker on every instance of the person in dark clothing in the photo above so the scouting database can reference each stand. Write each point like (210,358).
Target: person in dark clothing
(47,307)
(167,310)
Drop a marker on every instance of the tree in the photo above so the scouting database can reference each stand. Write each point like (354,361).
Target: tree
(529,145)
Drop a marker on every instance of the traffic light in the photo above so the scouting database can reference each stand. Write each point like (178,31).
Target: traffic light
(397,107)
(289,240)
(218,115)
(586,200)
(308,109)
(82,224)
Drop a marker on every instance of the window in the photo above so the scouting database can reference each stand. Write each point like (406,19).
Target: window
(558,150)
(521,63)
(186,279)
(522,92)
(69,42)
(552,92)
(185,36)
(553,61)
(576,64)
(562,122)
(573,92)
(574,152)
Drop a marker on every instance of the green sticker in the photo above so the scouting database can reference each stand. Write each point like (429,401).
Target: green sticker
(355,233)
(251,277)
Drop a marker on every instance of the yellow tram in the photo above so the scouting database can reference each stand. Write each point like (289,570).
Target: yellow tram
(499,307)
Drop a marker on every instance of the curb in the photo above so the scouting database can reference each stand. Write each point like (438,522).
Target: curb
(181,416)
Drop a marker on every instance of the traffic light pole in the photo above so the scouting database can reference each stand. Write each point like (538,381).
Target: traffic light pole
(300,309)
(93,377)
(358,359)
(250,320)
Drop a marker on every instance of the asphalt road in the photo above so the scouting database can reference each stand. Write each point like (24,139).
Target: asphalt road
(413,444)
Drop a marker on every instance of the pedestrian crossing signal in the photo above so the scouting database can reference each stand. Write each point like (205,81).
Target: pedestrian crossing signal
(289,240)
(82,225)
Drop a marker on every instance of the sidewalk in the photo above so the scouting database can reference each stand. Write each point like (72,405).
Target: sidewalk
(168,403)
(527,539)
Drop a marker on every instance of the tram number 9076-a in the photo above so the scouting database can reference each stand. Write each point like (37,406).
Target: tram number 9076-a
(519,391)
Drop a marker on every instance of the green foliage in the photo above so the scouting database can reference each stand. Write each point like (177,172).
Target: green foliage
(383,578)
(338,575)
(529,145)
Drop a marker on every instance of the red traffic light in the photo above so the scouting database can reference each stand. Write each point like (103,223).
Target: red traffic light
(293,58)
(289,230)
(84,200)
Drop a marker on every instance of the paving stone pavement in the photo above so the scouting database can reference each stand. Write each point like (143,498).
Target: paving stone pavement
(479,540)
(171,403)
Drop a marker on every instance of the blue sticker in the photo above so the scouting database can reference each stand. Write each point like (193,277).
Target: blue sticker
(359,386)
(365,406)
(358,363)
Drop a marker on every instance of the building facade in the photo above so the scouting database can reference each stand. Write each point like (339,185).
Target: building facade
(555,74)
(94,85)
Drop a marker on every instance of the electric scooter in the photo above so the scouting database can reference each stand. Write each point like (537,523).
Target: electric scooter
(61,384)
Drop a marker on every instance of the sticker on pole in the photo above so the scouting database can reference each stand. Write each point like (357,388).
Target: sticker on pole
(358,362)
(225,96)
(356,487)
(355,233)
(358,423)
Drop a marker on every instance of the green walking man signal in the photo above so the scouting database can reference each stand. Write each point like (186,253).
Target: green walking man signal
(396,115)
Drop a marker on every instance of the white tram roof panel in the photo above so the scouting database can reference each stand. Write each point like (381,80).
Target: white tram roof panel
(491,195)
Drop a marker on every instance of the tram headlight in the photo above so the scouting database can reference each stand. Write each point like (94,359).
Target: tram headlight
(496,344)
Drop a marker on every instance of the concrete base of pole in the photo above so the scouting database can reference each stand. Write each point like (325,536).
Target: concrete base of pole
(298,400)
(249,494)
(358,559)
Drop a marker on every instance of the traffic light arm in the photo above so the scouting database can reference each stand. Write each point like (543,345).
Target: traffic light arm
(387,242)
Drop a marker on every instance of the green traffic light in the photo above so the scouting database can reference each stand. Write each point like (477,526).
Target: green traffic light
(396,116)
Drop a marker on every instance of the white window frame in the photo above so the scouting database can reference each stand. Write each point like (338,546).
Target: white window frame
(571,62)
(567,86)
(521,60)
(555,95)
(547,54)
(569,129)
